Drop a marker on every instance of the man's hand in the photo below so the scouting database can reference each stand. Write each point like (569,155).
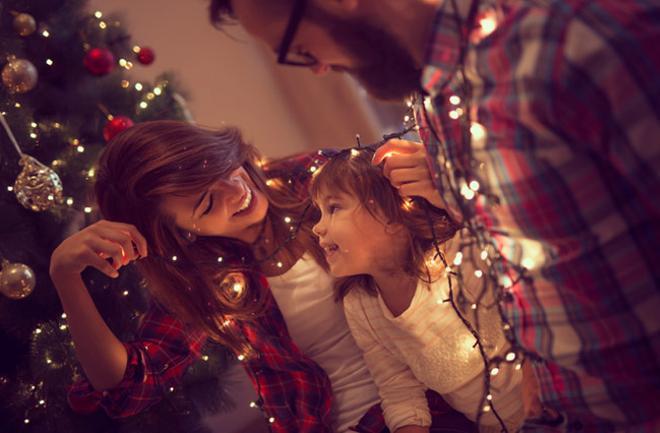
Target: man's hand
(404,164)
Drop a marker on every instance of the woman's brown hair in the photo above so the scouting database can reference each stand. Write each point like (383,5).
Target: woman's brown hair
(148,162)
(352,173)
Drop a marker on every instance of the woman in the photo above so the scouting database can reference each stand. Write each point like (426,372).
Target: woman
(228,253)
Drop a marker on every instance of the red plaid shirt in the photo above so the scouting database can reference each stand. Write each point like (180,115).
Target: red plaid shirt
(568,96)
(296,392)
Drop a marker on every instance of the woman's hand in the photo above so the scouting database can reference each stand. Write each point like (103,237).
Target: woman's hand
(406,167)
(93,244)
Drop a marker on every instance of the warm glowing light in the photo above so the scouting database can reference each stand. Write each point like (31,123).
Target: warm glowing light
(478,273)
(220,259)
(312,169)
(271,420)
(494,371)
(280,264)
(10,188)
(122,63)
(205,357)
(354,153)
(125,84)
(484,255)
(527,263)
(49,62)
(510,356)
(253,404)
(138,86)
(241,357)
(63,316)
(467,192)
(478,131)
(69,201)
(33,135)
(158,91)
(80,149)
(458,259)
(87,209)
(474,185)
(455,100)
(136,49)
(143,105)
(125,293)
(287,220)
(45,33)
(488,25)
(98,14)
(103,25)
(175,258)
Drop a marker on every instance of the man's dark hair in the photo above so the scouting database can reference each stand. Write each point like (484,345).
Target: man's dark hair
(221,12)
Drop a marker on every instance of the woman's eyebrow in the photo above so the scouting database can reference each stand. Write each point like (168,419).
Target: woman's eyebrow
(199,201)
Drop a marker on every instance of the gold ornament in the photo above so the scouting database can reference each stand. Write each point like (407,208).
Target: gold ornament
(37,187)
(233,285)
(24,24)
(19,75)
(16,280)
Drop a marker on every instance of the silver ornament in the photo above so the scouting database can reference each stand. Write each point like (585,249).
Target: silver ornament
(19,75)
(37,187)
(17,280)
(24,24)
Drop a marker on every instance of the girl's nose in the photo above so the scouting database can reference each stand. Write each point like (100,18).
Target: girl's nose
(318,229)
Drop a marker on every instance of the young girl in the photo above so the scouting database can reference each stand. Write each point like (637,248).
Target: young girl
(379,246)
(226,247)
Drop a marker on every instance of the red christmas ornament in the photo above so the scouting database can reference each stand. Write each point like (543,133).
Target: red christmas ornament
(99,61)
(146,56)
(115,126)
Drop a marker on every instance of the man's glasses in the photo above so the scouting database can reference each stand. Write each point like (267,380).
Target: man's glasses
(284,57)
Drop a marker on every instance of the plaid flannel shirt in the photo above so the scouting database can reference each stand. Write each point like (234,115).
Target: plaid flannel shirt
(568,95)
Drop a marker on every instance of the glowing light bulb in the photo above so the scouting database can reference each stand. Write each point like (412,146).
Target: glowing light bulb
(458,259)
(510,356)
(478,131)
(494,371)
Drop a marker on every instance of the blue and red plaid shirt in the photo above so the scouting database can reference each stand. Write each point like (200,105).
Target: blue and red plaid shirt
(296,391)
(566,100)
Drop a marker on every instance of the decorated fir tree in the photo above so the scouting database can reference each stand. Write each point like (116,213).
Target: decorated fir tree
(66,90)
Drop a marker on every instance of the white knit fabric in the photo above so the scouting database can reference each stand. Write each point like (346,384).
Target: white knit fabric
(317,325)
(428,346)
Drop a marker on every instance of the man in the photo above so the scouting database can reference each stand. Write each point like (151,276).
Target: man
(541,121)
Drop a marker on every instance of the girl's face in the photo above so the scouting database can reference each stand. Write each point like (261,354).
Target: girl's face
(354,241)
(232,207)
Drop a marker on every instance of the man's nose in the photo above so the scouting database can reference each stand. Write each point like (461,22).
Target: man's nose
(320,69)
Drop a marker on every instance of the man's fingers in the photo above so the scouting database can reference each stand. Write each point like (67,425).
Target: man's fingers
(415,189)
(395,147)
(402,176)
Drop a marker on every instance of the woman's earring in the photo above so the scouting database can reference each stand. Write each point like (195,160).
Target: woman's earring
(190,236)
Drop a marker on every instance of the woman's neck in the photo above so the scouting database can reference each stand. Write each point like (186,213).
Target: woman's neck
(265,248)
(397,290)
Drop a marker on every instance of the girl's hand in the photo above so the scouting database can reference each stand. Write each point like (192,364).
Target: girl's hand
(406,168)
(95,243)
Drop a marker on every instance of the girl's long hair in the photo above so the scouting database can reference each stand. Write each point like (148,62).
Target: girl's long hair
(150,161)
(352,172)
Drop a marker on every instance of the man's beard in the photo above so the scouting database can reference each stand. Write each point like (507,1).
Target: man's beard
(383,66)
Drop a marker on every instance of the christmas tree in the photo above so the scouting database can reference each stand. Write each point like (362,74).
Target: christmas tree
(66,90)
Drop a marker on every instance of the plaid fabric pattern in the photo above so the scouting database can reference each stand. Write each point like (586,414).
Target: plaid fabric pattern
(567,93)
